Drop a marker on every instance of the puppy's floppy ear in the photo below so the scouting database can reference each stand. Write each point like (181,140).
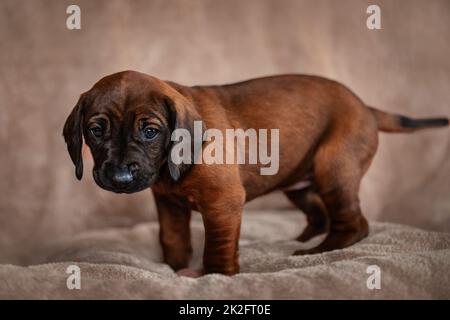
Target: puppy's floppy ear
(73,135)
(182,115)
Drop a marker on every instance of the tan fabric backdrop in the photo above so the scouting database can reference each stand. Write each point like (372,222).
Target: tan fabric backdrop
(404,67)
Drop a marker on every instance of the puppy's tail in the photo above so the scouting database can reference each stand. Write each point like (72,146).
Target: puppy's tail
(389,122)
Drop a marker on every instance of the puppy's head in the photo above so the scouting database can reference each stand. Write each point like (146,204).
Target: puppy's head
(127,119)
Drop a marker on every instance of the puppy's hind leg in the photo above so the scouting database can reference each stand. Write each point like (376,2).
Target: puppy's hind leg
(338,174)
(308,201)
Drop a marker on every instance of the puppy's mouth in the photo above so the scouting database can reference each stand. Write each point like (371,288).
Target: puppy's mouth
(141,183)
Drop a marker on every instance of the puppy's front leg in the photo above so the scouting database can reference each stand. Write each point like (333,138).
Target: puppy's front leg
(174,232)
(222,223)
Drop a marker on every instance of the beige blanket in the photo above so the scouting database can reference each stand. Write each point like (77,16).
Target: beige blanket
(126,264)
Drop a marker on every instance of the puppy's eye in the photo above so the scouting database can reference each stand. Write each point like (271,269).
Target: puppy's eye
(97,131)
(150,132)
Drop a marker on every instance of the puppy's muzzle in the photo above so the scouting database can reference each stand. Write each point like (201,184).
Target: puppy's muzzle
(123,175)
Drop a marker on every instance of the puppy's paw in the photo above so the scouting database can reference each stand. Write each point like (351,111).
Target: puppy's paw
(190,273)
(311,232)
(305,252)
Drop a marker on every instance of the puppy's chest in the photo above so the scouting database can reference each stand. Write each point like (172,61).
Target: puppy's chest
(176,197)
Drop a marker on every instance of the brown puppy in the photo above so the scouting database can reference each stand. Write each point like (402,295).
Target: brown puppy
(327,136)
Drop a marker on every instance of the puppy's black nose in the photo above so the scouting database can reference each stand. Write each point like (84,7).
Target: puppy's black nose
(123,174)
